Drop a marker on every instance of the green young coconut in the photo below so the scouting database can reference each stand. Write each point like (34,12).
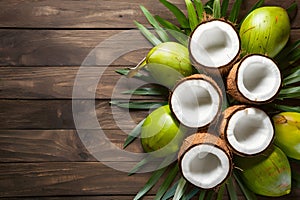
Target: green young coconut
(265,30)
(161,131)
(168,62)
(268,174)
(287,133)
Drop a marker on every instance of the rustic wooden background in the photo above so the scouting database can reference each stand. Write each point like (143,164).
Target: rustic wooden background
(42,45)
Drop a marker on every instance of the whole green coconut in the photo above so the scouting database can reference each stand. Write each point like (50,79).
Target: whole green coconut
(161,129)
(265,30)
(287,133)
(268,174)
(168,62)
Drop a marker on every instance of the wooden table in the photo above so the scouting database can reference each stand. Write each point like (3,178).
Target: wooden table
(42,46)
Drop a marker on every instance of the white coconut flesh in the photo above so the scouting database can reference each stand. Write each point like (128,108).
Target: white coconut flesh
(259,78)
(214,44)
(205,166)
(249,131)
(195,103)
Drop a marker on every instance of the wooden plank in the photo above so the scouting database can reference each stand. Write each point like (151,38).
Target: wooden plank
(58,82)
(78,14)
(72,47)
(57,114)
(55,145)
(73,179)
(94,14)
(94,197)
(68,178)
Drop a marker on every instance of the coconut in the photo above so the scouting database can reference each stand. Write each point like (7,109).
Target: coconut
(287,132)
(214,45)
(196,101)
(247,130)
(167,63)
(204,160)
(267,174)
(265,30)
(256,79)
(161,131)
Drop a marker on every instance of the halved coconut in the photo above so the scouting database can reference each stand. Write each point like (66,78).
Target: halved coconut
(196,101)
(214,46)
(247,130)
(204,160)
(256,79)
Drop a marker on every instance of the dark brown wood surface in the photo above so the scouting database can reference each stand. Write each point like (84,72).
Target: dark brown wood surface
(42,46)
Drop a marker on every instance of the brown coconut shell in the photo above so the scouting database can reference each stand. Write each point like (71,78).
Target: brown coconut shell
(226,116)
(233,89)
(205,138)
(209,80)
(221,70)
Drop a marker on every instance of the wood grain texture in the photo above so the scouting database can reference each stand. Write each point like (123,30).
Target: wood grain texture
(69,178)
(78,14)
(72,47)
(69,47)
(55,145)
(57,114)
(94,14)
(42,45)
(94,197)
(58,83)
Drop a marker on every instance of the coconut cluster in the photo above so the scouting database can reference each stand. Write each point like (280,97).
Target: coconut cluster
(205,158)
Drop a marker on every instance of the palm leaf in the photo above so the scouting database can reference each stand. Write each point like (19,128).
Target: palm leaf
(181,18)
(286,108)
(294,77)
(152,38)
(193,19)
(167,182)
(137,75)
(217,9)
(170,193)
(249,195)
(292,7)
(138,105)
(199,9)
(231,190)
(145,91)
(181,187)
(224,7)
(180,37)
(160,31)
(235,11)
(290,92)
(283,57)
(255,6)
(208,7)
(293,57)
(210,195)
(191,194)
(173,30)
(150,183)
(140,164)
(166,24)
(133,134)
(202,195)
(221,192)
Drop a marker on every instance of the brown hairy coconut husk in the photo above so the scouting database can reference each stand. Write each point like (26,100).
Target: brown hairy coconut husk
(196,101)
(214,46)
(205,161)
(255,79)
(247,130)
